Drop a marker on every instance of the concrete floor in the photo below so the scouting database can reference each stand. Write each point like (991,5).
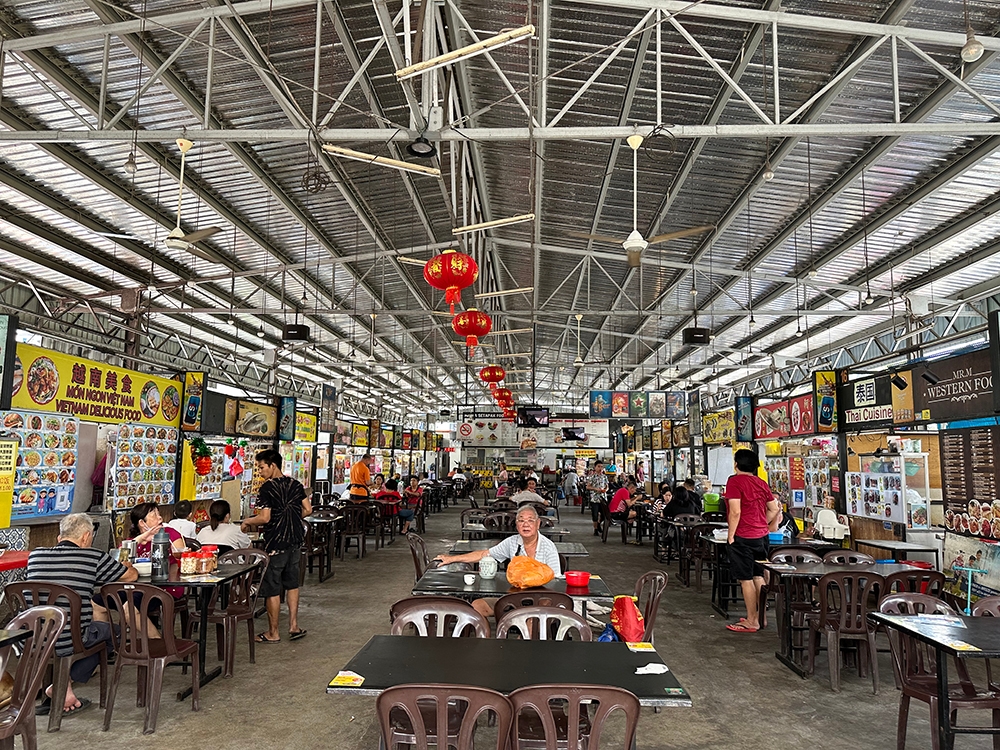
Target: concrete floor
(743,697)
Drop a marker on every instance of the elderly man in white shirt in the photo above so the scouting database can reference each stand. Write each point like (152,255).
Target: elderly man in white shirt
(527,543)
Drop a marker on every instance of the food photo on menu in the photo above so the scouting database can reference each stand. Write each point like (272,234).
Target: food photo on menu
(142,466)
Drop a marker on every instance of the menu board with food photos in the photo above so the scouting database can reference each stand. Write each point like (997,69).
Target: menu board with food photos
(46,463)
(142,466)
(969,461)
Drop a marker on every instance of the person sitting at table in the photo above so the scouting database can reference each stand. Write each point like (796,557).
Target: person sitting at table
(622,502)
(74,563)
(145,522)
(187,528)
(378,483)
(425,480)
(527,542)
(220,532)
(681,502)
(528,493)
(411,496)
(663,498)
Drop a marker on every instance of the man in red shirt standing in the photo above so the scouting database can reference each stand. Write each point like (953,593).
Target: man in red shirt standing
(752,513)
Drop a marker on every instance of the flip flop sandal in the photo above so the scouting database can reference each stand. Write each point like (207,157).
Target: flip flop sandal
(262,638)
(297,634)
(85,703)
(740,627)
(43,708)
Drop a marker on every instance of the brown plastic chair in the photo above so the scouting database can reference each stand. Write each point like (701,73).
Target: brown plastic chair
(915,667)
(545,624)
(411,714)
(910,603)
(355,521)
(843,616)
(713,516)
(242,606)
(650,585)
(520,599)
(696,554)
(988,606)
(500,521)
(473,515)
(18,717)
(504,505)
(374,522)
(26,594)
(430,600)
(801,593)
(583,708)
(847,557)
(149,655)
(438,619)
(915,581)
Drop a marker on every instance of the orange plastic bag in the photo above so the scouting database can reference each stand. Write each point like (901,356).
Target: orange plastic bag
(525,572)
(627,619)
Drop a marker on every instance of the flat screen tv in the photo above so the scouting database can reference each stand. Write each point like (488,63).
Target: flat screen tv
(574,433)
(532,416)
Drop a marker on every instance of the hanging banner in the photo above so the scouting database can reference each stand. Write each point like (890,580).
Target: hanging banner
(256,420)
(825,397)
(374,433)
(771,421)
(681,435)
(306,427)
(657,405)
(386,441)
(694,411)
(286,418)
(744,419)
(667,439)
(406,440)
(638,404)
(657,440)
(800,411)
(619,403)
(8,354)
(194,384)
(903,400)
(600,404)
(676,405)
(328,409)
(719,428)
(48,381)
(359,435)
(342,432)
(231,414)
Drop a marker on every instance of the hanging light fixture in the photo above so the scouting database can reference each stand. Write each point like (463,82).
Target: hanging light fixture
(260,332)
(973,48)
(130,166)
(421,148)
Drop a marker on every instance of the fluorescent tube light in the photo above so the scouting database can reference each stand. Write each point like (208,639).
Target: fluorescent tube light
(464,53)
(494,223)
(385,161)
(505,292)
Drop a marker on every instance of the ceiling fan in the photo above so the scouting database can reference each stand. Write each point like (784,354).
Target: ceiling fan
(177,240)
(635,243)
(579,362)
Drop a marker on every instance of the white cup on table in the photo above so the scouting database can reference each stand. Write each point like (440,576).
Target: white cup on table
(470,578)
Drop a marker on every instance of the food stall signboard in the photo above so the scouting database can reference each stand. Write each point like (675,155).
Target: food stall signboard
(771,421)
(49,381)
(8,351)
(328,408)
(800,411)
(194,385)
(825,396)
(286,418)
(719,427)
(964,389)
(257,420)
(694,412)
(306,427)
(744,419)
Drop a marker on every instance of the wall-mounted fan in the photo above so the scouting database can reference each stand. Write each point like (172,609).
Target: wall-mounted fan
(177,239)
(635,243)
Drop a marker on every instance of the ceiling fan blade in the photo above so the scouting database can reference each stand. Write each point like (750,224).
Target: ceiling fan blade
(201,234)
(597,237)
(204,254)
(122,236)
(680,233)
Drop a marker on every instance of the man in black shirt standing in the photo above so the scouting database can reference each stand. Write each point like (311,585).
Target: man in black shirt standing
(281,505)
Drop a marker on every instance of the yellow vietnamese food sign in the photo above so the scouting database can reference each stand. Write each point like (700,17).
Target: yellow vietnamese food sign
(45,380)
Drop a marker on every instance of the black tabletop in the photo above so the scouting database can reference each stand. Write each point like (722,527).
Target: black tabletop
(222,574)
(505,665)
(8,637)
(438,581)
(570,549)
(323,519)
(896,544)
(976,637)
(689,524)
(818,570)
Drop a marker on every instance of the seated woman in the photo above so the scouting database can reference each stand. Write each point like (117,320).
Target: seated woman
(412,496)
(528,542)
(145,522)
(378,484)
(663,498)
(680,503)
(390,498)
(220,532)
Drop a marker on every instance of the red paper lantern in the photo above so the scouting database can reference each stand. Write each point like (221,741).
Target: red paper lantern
(451,272)
(472,324)
(503,397)
(492,375)
(203,465)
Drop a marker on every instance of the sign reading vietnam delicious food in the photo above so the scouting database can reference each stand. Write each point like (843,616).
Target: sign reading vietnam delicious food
(45,380)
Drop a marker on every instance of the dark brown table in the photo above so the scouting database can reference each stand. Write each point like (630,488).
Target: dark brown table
(204,585)
(900,549)
(506,665)
(981,633)
(812,571)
